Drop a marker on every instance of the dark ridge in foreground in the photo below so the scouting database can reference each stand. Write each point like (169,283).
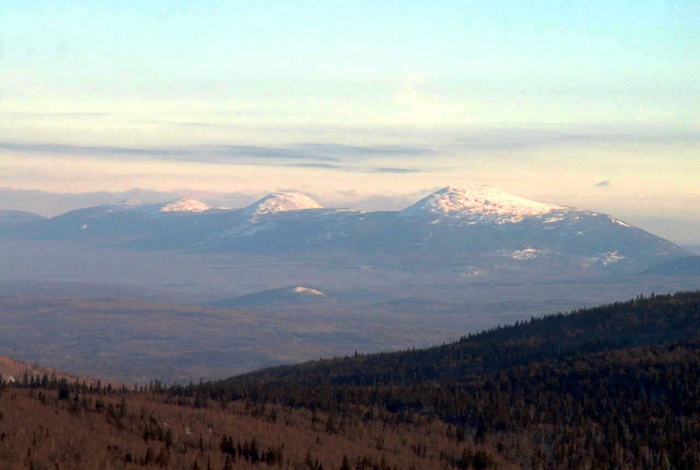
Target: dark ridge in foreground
(641,322)
(610,387)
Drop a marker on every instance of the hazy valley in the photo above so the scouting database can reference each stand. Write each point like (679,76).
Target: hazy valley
(285,280)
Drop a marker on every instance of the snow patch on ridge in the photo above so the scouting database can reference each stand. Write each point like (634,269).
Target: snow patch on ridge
(606,259)
(525,254)
(472,272)
(618,222)
(478,203)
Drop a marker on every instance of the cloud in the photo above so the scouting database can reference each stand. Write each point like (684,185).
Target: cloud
(313,152)
(61,149)
(394,170)
(44,115)
(253,151)
(372,150)
(523,138)
(356,169)
(602,184)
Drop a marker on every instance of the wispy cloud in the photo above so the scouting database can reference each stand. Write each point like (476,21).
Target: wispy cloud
(44,115)
(61,149)
(356,150)
(253,151)
(357,169)
(522,138)
(397,171)
(324,152)
(324,156)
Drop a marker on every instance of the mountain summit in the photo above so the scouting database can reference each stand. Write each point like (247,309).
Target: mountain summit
(281,202)
(185,205)
(477,204)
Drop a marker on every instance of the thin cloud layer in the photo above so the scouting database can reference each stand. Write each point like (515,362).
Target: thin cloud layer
(520,139)
(335,157)
(221,153)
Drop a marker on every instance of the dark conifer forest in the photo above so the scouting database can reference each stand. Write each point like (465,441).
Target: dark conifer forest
(610,387)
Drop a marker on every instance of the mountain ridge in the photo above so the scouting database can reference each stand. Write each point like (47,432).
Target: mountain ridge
(483,229)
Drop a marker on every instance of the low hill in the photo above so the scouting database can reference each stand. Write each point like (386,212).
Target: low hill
(284,296)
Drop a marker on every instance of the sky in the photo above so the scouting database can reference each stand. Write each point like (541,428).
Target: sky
(365,103)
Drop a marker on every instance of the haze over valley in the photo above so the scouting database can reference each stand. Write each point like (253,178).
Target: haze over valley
(284,279)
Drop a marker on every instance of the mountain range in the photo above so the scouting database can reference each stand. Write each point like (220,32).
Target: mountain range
(482,229)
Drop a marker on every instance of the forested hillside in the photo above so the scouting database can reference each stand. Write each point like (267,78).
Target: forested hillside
(611,387)
(641,322)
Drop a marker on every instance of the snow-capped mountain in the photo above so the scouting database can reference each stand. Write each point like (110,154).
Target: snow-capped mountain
(280,202)
(477,204)
(185,205)
(475,232)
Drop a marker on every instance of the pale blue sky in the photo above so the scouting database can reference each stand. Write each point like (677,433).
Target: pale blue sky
(545,99)
(306,49)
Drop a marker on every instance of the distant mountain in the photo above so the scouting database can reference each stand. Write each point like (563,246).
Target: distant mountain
(280,202)
(283,297)
(185,205)
(477,232)
(11,218)
(478,204)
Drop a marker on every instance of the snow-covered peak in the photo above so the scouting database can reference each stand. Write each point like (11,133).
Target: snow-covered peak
(281,202)
(185,205)
(477,203)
